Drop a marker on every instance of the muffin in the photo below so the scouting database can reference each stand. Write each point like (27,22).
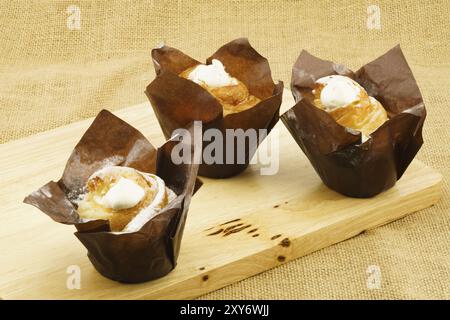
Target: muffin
(127,199)
(359,130)
(233,91)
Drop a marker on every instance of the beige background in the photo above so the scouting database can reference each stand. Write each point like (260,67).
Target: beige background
(51,76)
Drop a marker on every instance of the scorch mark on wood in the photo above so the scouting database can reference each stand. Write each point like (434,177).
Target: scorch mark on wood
(285,242)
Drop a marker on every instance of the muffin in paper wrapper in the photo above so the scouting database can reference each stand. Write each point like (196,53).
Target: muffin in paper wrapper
(152,251)
(344,163)
(177,101)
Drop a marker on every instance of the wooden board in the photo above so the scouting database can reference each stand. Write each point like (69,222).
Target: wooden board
(288,215)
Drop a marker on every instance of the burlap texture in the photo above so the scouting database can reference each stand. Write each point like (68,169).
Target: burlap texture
(51,76)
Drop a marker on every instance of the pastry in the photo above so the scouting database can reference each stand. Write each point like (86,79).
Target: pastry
(127,199)
(382,107)
(232,91)
(124,196)
(349,104)
(232,94)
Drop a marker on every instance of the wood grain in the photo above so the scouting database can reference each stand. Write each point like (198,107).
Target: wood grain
(236,227)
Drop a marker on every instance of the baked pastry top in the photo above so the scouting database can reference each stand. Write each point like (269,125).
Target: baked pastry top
(124,196)
(349,104)
(232,94)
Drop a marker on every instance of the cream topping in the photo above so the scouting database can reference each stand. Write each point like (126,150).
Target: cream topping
(155,206)
(213,75)
(122,195)
(338,91)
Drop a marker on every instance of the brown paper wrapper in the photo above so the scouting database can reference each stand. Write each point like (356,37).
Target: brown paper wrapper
(133,257)
(342,162)
(178,102)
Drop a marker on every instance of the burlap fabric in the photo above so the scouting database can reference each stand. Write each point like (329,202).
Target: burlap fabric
(52,73)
